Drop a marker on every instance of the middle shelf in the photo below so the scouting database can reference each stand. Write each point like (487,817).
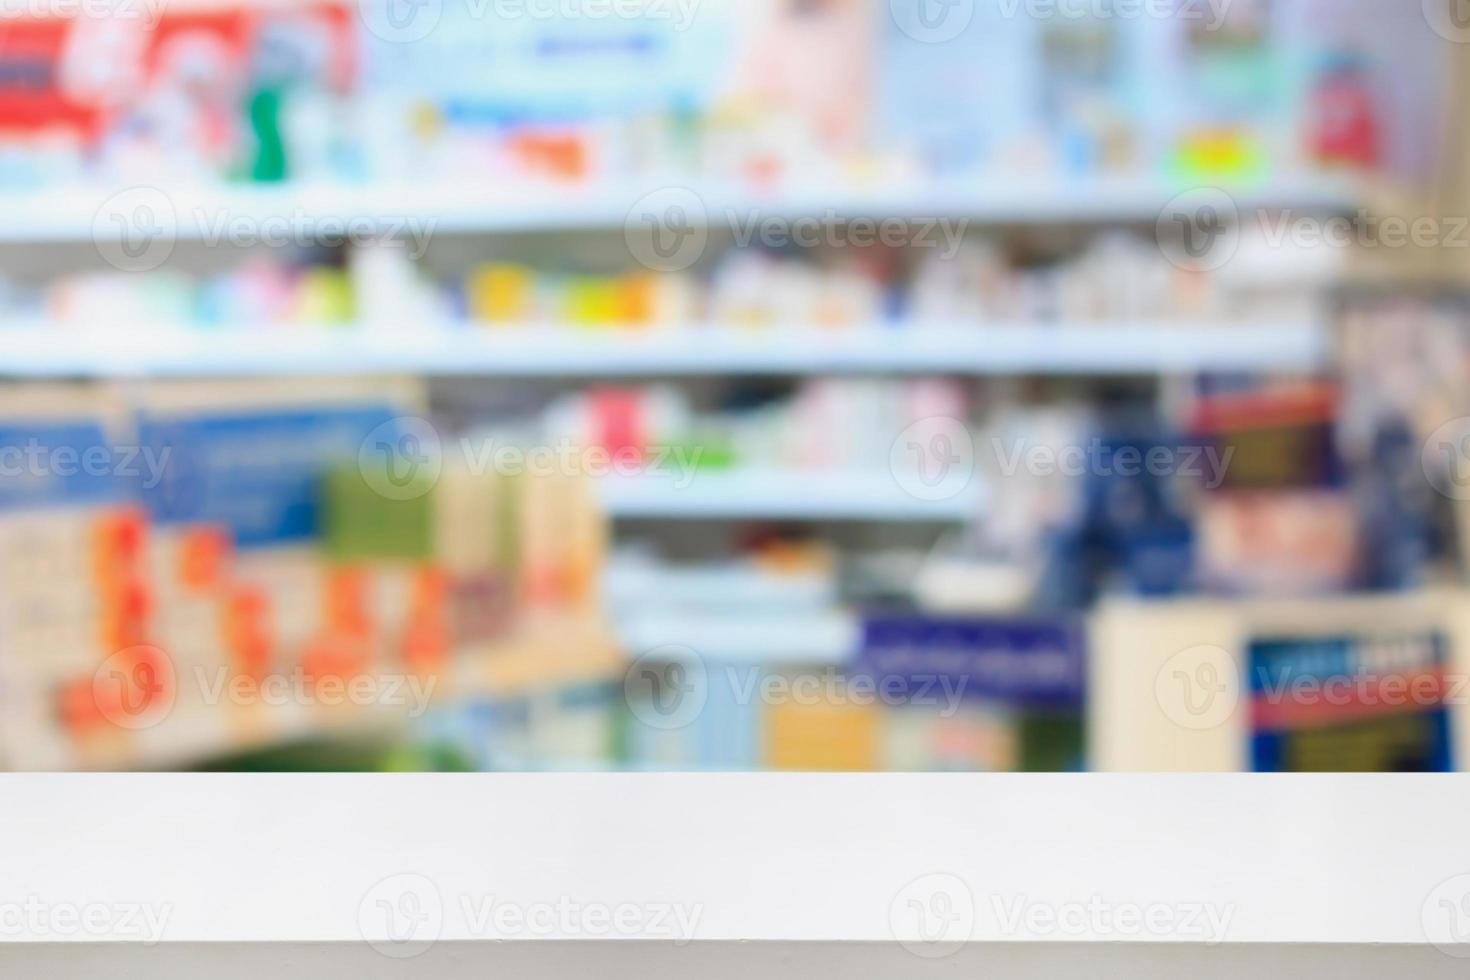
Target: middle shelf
(122,350)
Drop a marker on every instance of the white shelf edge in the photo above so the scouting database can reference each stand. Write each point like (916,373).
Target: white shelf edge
(30,350)
(757,493)
(822,638)
(84,213)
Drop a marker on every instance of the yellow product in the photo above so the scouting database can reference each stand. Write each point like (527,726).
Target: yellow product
(501,293)
(325,296)
(638,299)
(592,301)
(831,736)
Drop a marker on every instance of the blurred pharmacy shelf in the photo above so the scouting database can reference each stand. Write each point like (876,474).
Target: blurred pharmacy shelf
(827,639)
(57,350)
(764,494)
(202,213)
(541,656)
(658,876)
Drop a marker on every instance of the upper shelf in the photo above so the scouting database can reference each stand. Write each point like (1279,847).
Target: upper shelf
(976,349)
(202,212)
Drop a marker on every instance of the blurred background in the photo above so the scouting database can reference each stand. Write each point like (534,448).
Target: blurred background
(733,384)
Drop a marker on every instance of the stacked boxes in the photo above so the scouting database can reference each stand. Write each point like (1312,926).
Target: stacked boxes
(256,579)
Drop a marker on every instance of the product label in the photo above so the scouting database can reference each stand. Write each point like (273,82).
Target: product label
(1350,704)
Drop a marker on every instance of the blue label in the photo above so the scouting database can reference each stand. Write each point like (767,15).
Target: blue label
(258,474)
(64,464)
(1031,664)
